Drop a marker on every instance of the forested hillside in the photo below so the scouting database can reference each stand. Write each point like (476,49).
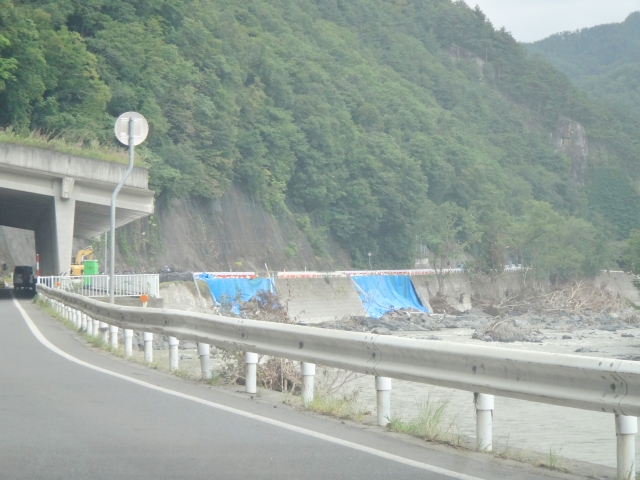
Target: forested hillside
(383,124)
(603,60)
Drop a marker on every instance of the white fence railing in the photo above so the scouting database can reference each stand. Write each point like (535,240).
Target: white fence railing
(98,285)
(588,383)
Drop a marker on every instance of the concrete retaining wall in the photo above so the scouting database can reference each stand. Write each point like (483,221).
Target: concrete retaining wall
(314,300)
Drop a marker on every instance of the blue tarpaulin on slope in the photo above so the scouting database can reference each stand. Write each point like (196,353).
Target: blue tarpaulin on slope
(383,293)
(226,290)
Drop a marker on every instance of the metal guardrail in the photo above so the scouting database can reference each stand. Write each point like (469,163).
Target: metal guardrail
(588,383)
(98,285)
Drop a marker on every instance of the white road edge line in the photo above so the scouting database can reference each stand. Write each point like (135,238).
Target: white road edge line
(345,443)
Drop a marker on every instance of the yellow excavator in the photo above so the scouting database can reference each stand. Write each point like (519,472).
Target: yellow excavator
(77,265)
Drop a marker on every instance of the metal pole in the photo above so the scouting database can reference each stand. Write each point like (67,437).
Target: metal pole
(383,394)
(484,422)
(250,364)
(106,252)
(626,429)
(113,336)
(148,347)
(173,354)
(308,371)
(205,364)
(113,212)
(128,342)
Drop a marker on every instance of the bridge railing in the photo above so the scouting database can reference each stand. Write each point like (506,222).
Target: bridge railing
(98,285)
(588,383)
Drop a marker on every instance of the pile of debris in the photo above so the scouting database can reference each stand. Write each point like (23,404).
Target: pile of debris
(509,330)
(264,306)
(399,320)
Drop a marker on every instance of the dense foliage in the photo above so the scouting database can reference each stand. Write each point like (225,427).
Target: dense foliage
(603,60)
(356,116)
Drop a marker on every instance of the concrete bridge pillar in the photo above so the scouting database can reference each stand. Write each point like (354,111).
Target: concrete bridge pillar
(54,236)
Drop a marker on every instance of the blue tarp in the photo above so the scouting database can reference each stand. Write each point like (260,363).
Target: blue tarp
(226,290)
(383,293)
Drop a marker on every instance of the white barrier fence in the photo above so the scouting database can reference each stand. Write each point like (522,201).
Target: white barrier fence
(98,285)
(589,383)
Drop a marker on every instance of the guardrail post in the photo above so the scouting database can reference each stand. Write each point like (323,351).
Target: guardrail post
(205,364)
(148,346)
(250,364)
(128,342)
(89,325)
(173,354)
(104,330)
(484,421)
(84,321)
(96,327)
(626,429)
(383,388)
(308,371)
(113,336)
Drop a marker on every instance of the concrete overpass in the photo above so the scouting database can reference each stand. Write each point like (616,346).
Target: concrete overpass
(59,196)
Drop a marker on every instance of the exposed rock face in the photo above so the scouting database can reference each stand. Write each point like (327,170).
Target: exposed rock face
(570,138)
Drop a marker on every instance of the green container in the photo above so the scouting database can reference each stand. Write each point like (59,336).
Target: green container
(90,268)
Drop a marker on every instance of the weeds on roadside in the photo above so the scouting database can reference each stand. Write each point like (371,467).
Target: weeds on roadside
(340,406)
(431,424)
(553,460)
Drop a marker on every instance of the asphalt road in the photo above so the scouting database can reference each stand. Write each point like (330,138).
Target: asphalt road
(64,420)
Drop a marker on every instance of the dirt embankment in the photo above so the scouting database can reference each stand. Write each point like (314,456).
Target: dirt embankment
(233,233)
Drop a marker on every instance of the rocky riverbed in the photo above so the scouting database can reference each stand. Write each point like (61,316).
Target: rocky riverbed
(588,332)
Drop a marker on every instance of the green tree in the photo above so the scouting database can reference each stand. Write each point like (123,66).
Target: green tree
(631,253)
(447,230)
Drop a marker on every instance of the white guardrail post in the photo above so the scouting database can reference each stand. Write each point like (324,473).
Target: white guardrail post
(250,372)
(104,332)
(113,336)
(173,354)
(148,346)
(205,364)
(383,394)
(128,342)
(308,371)
(484,421)
(626,429)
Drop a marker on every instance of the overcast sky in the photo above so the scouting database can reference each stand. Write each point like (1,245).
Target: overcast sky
(530,20)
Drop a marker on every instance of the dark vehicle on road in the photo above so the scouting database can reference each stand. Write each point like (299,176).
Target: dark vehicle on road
(23,278)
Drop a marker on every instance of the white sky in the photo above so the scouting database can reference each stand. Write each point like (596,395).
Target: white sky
(531,20)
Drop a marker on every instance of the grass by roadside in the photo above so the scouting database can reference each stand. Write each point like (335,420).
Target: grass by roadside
(344,406)
(430,424)
(58,144)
